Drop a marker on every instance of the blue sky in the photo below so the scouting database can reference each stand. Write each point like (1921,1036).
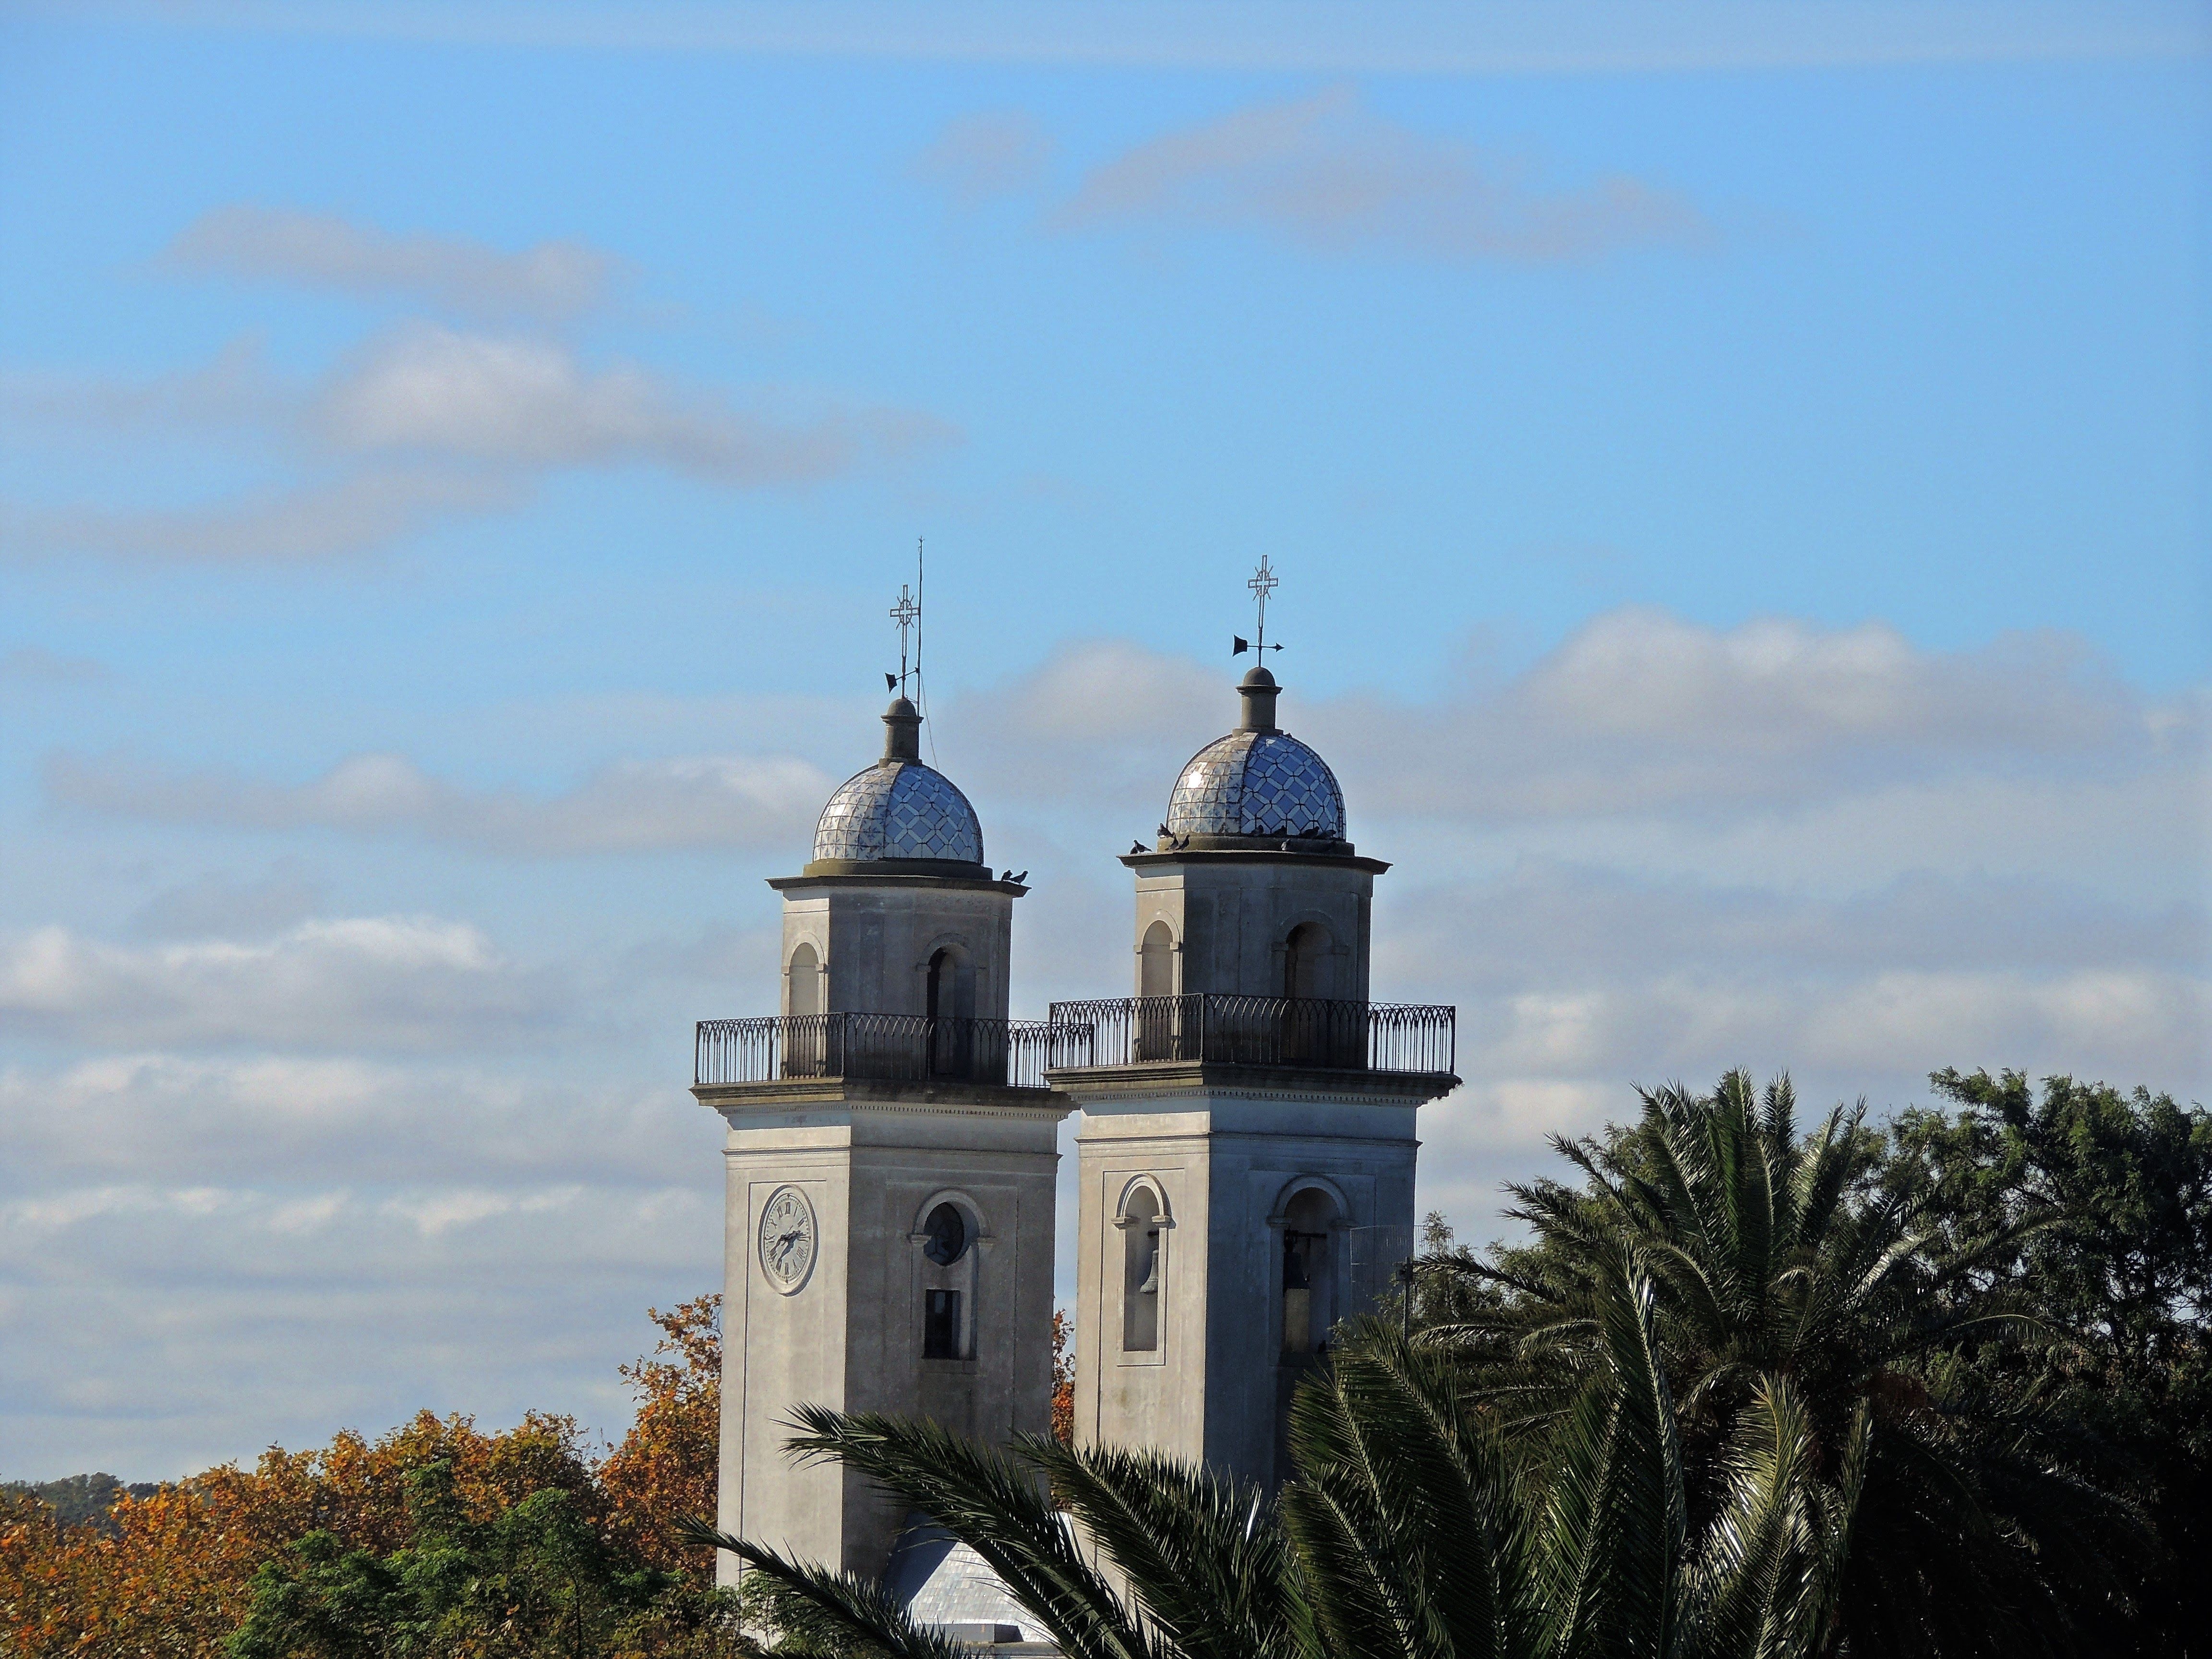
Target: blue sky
(1737,472)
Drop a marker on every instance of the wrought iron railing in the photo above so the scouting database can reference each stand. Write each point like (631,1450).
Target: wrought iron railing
(897,1048)
(1365,1036)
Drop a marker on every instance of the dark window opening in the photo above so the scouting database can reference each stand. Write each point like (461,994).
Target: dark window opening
(940,1325)
(948,1235)
(1302,1260)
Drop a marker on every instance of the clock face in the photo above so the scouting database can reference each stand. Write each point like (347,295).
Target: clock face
(787,1238)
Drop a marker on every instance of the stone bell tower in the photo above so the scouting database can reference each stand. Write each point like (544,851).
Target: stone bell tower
(1248,1139)
(890,1160)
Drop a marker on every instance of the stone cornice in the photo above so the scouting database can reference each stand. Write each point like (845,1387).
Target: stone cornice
(797,1096)
(1259,850)
(1162,1079)
(913,874)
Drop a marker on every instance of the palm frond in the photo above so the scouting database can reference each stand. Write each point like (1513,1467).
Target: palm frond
(849,1602)
(992,1501)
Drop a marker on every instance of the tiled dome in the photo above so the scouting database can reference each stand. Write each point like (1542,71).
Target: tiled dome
(899,809)
(1257,783)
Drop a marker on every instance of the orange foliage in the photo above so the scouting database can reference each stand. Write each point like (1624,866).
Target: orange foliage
(1063,1379)
(169,1574)
(665,1467)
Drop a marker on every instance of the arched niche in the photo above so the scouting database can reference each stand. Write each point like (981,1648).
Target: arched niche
(1143,1223)
(949,983)
(1310,1218)
(1310,956)
(950,1240)
(1156,961)
(803,977)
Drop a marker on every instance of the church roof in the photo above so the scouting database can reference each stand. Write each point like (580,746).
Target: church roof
(943,1583)
(1257,782)
(899,809)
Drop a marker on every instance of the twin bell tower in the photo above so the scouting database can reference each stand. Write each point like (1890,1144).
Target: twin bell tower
(1246,1140)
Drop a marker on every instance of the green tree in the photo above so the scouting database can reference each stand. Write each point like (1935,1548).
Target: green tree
(1786,1264)
(2118,1263)
(539,1578)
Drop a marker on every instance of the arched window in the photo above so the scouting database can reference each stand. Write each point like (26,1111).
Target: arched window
(1143,1270)
(1156,961)
(951,1005)
(947,1277)
(806,981)
(1308,1272)
(947,1241)
(806,1041)
(1308,961)
(1158,1020)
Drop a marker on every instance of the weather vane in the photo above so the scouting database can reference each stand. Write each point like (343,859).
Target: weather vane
(907,613)
(1264,581)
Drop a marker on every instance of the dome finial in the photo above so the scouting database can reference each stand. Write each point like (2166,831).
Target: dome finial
(903,731)
(1258,688)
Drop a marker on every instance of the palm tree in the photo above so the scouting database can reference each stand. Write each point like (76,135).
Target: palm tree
(1789,1286)
(1408,1534)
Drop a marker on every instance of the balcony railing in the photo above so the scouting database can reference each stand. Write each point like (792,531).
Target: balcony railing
(895,1047)
(1358,1036)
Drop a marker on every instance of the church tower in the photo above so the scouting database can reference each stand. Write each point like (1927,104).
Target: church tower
(1248,1138)
(890,1159)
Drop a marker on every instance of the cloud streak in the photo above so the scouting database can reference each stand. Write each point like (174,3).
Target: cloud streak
(354,514)
(633,807)
(425,425)
(405,982)
(529,403)
(550,282)
(1638,714)
(1326,174)
(978,157)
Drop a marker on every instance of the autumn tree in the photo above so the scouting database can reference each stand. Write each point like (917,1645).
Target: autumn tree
(1063,1377)
(579,1542)
(664,1469)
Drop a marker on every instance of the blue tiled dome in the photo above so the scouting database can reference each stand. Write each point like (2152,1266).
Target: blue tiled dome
(1257,783)
(899,809)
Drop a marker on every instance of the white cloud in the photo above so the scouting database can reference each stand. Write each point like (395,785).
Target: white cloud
(550,281)
(236,391)
(1541,922)
(1639,716)
(422,425)
(1665,849)
(287,523)
(1662,850)
(632,806)
(362,982)
(216,905)
(272,1120)
(1327,175)
(155,1329)
(1573,982)
(1640,713)
(1776,685)
(434,392)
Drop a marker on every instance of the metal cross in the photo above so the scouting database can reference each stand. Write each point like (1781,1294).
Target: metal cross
(1264,581)
(906,613)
